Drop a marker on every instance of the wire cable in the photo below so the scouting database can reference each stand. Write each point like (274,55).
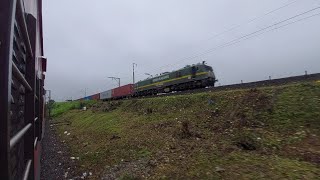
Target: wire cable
(238,26)
(275,28)
(242,37)
(252,20)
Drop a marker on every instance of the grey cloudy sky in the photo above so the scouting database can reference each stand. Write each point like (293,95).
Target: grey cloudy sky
(87,41)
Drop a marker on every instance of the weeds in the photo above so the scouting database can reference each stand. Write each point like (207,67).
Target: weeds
(270,133)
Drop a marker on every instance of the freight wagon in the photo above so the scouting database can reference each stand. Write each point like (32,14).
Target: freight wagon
(106,95)
(123,91)
(116,93)
(22,94)
(95,97)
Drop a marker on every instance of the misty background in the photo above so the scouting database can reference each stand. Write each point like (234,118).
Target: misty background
(87,41)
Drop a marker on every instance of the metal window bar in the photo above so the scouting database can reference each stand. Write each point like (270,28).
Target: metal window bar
(15,139)
(35,143)
(12,99)
(27,170)
(20,76)
(24,26)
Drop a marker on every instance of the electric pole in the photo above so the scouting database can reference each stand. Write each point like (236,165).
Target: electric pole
(117,79)
(133,65)
(49,103)
(49,95)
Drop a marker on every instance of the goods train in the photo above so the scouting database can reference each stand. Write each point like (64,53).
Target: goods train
(22,94)
(190,77)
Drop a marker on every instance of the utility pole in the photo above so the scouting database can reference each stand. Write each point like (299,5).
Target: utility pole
(117,79)
(133,65)
(49,103)
(49,95)
(85,92)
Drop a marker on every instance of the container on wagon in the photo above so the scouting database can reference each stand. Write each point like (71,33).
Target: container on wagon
(95,96)
(106,95)
(123,91)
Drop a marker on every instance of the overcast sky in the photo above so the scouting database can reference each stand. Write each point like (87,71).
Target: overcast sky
(87,41)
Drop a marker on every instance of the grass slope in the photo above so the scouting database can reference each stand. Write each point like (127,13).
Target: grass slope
(59,108)
(268,133)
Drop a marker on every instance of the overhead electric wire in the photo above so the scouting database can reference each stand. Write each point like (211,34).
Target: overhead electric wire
(302,19)
(242,37)
(255,32)
(252,20)
(279,27)
(240,25)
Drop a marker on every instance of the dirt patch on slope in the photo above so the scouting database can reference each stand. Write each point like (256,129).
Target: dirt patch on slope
(306,150)
(106,106)
(243,113)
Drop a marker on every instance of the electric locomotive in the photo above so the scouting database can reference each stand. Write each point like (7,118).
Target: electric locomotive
(190,77)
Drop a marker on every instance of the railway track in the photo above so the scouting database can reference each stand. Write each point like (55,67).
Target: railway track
(249,85)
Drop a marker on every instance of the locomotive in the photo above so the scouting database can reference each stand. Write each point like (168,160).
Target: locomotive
(190,77)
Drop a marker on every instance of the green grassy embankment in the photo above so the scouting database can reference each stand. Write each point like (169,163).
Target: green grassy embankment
(266,133)
(58,108)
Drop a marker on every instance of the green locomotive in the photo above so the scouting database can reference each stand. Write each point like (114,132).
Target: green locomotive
(189,77)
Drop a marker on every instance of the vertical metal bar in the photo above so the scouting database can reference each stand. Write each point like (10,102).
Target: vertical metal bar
(37,107)
(41,103)
(23,23)
(30,96)
(7,17)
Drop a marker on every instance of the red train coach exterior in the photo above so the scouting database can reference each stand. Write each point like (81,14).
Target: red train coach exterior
(126,90)
(22,94)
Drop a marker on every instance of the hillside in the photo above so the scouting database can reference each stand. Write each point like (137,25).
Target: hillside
(271,132)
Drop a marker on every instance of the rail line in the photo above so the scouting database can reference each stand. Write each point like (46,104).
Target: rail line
(249,85)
